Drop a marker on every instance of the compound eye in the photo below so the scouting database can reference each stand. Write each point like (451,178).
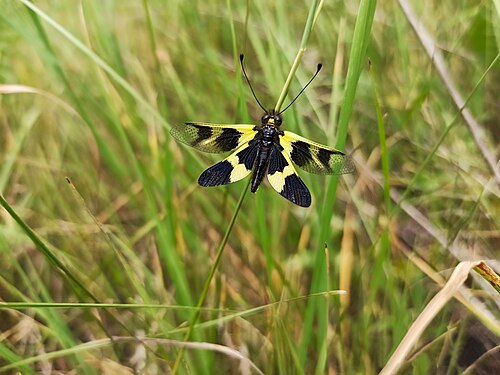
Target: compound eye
(277,120)
(265,118)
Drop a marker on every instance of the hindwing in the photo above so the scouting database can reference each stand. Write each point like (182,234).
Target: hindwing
(284,178)
(236,166)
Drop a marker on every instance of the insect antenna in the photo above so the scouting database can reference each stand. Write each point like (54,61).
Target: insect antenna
(301,91)
(249,84)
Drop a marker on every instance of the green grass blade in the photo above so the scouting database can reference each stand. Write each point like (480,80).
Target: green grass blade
(76,284)
(356,62)
(311,18)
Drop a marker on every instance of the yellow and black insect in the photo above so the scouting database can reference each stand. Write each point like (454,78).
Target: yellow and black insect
(263,149)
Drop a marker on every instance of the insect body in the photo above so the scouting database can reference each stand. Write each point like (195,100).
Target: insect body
(262,150)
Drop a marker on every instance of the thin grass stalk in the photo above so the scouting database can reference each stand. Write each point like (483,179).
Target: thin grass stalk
(323,349)
(338,65)
(208,281)
(311,19)
(384,155)
(379,279)
(152,39)
(140,306)
(161,99)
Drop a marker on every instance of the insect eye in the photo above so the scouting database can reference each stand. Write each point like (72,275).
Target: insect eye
(265,118)
(277,120)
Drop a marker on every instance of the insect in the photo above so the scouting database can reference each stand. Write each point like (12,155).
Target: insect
(263,150)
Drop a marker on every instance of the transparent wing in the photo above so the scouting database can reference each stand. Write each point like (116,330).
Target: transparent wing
(213,138)
(314,157)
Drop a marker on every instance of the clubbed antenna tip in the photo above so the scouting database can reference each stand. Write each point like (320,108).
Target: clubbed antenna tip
(318,68)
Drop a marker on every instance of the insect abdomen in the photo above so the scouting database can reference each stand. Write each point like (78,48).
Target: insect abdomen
(260,167)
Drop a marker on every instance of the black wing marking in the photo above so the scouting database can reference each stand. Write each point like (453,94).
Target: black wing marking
(284,179)
(213,138)
(314,157)
(236,166)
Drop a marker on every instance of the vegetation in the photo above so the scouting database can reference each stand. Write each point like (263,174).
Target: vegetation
(107,243)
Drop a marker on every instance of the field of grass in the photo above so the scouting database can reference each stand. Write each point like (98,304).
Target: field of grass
(107,243)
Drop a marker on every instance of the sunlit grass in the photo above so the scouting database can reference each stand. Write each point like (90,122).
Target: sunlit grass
(103,83)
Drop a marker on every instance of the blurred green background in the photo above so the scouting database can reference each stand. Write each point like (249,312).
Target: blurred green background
(89,90)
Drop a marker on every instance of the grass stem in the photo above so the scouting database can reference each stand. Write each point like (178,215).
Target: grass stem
(208,281)
(311,20)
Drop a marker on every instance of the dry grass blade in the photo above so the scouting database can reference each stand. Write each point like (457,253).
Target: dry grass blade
(6,89)
(457,249)
(97,344)
(424,319)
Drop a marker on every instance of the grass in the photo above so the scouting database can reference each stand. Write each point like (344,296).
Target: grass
(103,274)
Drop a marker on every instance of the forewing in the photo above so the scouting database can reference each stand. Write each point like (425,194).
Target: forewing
(284,179)
(314,157)
(233,168)
(213,138)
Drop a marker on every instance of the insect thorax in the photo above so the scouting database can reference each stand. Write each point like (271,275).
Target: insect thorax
(268,135)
